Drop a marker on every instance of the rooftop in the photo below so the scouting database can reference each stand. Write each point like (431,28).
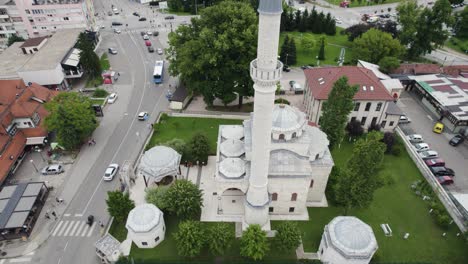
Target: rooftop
(33,42)
(107,244)
(374,68)
(12,60)
(159,161)
(143,218)
(417,69)
(56,2)
(321,80)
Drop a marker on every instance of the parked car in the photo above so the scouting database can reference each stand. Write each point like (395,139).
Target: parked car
(112,51)
(435,162)
(442,171)
(306,67)
(136,14)
(147,43)
(160,51)
(415,138)
(429,154)
(338,21)
(404,120)
(150,49)
(438,128)
(143,116)
(142,19)
(149,33)
(445,180)
(420,147)
(115,23)
(52,169)
(456,140)
(145,37)
(156,33)
(143,33)
(168,17)
(112,97)
(110,172)
(109,13)
(117,31)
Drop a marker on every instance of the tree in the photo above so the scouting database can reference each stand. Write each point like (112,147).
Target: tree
(71,117)
(292,52)
(119,205)
(285,50)
(336,109)
(220,238)
(14,38)
(462,23)
(184,199)
(157,196)
(389,140)
(88,58)
(388,64)
(321,54)
(330,25)
(177,144)
(190,238)
(349,189)
(307,43)
(254,243)
(288,236)
(213,54)
(354,128)
(199,147)
(390,27)
(356,31)
(374,45)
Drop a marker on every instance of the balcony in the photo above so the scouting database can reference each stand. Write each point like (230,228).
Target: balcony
(266,75)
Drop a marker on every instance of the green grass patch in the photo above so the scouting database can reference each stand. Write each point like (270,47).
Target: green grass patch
(97,101)
(397,205)
(364,3)
(105,64)
(184,127)
(332,48)
(458,44)
(118,230)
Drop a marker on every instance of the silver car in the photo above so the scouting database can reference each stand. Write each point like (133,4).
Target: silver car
(52,169)
(110,172)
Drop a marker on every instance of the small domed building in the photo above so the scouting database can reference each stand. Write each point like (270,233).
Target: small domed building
(346,239)
(160,164)
(145,225)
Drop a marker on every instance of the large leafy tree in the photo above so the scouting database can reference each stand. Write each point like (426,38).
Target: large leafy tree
(388,64)
(214,52)
(72,118)
(88,58)
(336,109)
(254,243)
(119,205)
(190,238)
(288,236)
(220,238)
(157,196)
(374,45)
(184,199)
(199,147)
(462,24)
(14,38)
(348,189)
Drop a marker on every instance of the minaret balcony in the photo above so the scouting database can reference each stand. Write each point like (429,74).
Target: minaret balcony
(265,75)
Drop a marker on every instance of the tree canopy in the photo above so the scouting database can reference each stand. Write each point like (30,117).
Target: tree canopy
(462,24)
(88,58)
(388,64)
(184,199)
(72,118)
(288,236)
(254,243)
(199,147)
(374,45)
(336,109)
(157,196)
(220,237)
(190,238)
(14,38)
(214,52)
(119,205)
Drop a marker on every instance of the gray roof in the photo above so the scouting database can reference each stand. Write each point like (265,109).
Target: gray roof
(107,244)
(180,94)
(159,161)
(33,42)
(232,132)
(393,109)
(12,60)
(287,118)
(143,218)
(232,168)
(270,6)
(232,148)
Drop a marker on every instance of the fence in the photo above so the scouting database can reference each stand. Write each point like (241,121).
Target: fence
(438,189)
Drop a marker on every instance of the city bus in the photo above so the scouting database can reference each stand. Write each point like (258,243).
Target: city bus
(158,72)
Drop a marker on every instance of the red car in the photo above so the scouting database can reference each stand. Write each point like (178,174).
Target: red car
(147,43)
(435,162)
(445,180)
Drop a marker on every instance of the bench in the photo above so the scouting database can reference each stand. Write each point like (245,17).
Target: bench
(387,230)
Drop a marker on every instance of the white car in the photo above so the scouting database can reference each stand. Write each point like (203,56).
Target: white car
(117,31)
(404,120)
(145,37)
(415,138)
(143,116)
(110,172)
(429,154)
(112,51)
(337,20)
(160,51)
(112,97)
(420,147)
(149,33)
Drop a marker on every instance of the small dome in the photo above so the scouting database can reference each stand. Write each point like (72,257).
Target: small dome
(232,132)
(232,148)
(159,160)
(232,167)
(143,218)
(352,236)
(286,118)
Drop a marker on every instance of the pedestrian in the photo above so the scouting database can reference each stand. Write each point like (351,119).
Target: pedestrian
(93,141)
(54,214)
(118,73)
(89,142)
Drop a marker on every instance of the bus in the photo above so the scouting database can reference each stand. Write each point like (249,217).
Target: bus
(158,72)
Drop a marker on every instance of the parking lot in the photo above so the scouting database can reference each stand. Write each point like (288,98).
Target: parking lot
(422,122)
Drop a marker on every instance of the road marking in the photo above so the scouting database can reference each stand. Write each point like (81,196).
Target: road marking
(60,259)
(91,229)
(57,228)
(69,228)
(74,228)
(17,260)
(430,118)
(63,228)
(2,261)
(78,215)
(66,245)
(66,215)
(84,230)
(79,229)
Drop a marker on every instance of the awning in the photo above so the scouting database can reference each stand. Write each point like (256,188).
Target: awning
(73,58)
(35,141)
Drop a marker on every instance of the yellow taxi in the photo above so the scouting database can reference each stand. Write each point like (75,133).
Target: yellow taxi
(438,128)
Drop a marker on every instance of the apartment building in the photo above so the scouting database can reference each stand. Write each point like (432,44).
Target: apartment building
(10,22)
(373,103)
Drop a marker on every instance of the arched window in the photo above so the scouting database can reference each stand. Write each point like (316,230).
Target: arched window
(274,197)
(294,197)
(294,135)
(317,156)
(281,136)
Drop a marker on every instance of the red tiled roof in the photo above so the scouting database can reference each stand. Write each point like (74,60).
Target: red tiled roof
(32,42)
(455,70)
(417,69)
(14,148)
(321,80)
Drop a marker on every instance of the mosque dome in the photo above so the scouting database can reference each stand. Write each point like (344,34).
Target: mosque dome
(143,218)
(232,168)
(232,148)
(287,122)
(232,132)
(159,161)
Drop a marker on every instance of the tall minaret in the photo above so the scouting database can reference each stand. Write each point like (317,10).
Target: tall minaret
(265,72)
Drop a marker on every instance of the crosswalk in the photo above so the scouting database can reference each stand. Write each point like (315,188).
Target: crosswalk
(73,228)
(23,259)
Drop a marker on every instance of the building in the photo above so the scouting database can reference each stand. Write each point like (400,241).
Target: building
(35,18)
(145,225)
(371,102)
(393,86)
(52,62)
(159,164)
(180,98)
(277,163)
(346,240)
(108,249)
(22,121)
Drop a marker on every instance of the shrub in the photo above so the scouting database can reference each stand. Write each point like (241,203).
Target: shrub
(163,117)
(354,128)
(157,196)
(282,101)
(177,144)
(389,140)
(396,150)
(190,238)
(100,93)
(443,220)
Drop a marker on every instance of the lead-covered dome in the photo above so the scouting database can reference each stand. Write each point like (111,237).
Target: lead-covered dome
(232,148)
(287,122)
(143,218)
(232,168)
(159,161)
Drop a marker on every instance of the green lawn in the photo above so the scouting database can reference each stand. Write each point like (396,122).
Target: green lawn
(118,230)
(184,127)
(363,3)
(458,44)
(332,48)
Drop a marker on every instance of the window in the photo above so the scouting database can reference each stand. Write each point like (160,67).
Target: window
(294,197)
(144,243)
(156,239)
(383,124)
(368,105)
(291,209)
(353,119)
(356,106)
(391,123)
(27,11)
(374,121)
(311,184)
(363,121)
(271,209)
(379,106)
(274,197)
(281,136)
(233,201)
(317,156)
(35,49)
(66,18)
(294,135)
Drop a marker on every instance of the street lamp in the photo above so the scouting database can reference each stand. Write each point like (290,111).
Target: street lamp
(34,165)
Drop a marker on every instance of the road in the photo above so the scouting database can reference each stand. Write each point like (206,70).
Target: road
(119,137)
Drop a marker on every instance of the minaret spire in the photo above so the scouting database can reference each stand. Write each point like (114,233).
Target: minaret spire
(265,72)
